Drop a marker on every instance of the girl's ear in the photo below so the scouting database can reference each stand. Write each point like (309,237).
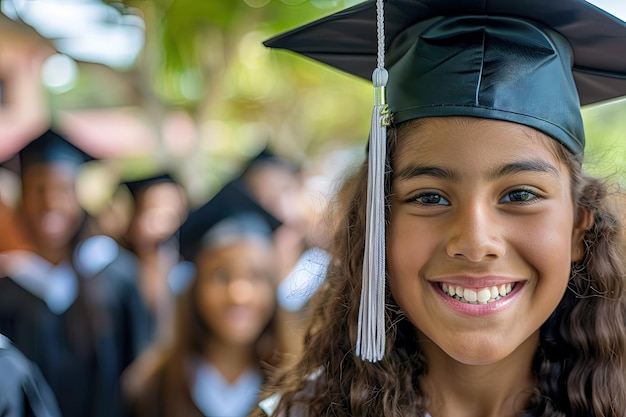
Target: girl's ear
(584,221)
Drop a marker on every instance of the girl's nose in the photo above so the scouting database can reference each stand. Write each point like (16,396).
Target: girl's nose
(240,290)
(475,235)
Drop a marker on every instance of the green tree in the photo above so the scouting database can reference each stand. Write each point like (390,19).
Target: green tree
(206,57)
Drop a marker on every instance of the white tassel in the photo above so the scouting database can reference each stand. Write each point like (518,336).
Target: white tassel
(370,345)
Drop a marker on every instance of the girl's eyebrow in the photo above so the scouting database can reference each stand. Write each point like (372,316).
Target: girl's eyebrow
(425,171)
(534,165)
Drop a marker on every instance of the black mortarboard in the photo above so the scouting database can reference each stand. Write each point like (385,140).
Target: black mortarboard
(267,157)
(502,59)
(264,155)
(49,148)
(532,62)
(137,185)
(233,212)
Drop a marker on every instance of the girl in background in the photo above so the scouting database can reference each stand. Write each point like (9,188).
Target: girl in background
(223,341)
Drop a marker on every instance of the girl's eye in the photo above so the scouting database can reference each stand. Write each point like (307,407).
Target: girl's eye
(429,199)
(220,276)
(259,277)
(519,196)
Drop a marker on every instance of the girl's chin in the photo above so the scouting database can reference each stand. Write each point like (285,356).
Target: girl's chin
(490,350)
(477,359)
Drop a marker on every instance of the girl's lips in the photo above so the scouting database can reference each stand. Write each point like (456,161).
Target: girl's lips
(478,301)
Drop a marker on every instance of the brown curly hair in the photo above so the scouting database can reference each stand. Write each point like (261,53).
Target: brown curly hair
(580,364)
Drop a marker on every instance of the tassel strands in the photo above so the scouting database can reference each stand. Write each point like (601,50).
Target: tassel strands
(370,345)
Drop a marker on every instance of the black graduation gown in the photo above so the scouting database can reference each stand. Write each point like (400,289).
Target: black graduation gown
(83,350)
(113,283)
(79,366)
(23,389)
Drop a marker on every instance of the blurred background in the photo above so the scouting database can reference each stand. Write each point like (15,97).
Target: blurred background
(188,85)
(184,84)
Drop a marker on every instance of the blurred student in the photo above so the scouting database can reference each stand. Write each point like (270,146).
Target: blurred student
(160,206)
(23,390)
(276,184)
(224,342)
(69,312)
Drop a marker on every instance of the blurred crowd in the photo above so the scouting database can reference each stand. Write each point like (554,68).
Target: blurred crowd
(151,303)
(159,308)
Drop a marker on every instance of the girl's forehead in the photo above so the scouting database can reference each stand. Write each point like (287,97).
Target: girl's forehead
(236,253)
(239,245)
(442,140)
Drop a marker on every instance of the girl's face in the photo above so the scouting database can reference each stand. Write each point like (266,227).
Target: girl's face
(482,235)
(236,291)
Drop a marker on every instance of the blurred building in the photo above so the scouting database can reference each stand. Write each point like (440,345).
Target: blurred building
(23,105)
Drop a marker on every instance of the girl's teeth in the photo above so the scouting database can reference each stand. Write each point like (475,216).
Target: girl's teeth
(494,292)
(459,291)
(482,296)
(470,295)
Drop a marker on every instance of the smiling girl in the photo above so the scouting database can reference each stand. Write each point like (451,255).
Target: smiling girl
(502,284)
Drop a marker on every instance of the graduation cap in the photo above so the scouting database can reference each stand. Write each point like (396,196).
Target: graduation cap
(138,185)
(230,215)
(532,62)
(440,64)
(48,148)
(267,157)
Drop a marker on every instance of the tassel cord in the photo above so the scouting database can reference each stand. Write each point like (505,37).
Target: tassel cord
(370,345)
